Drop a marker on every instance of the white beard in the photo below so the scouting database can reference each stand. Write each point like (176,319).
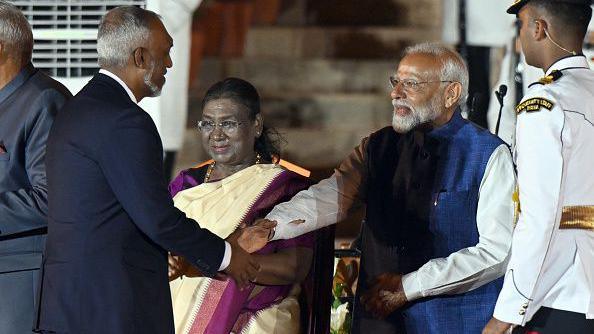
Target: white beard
(417,116)
(154,89)
(403,124)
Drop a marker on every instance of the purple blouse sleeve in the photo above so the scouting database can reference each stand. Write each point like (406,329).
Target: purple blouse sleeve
(184,180)
(177,184)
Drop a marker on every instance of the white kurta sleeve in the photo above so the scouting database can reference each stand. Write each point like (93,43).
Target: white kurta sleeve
(539,158)
(474,266)
(327,202)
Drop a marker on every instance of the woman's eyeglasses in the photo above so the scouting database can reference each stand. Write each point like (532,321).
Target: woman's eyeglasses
(228,127)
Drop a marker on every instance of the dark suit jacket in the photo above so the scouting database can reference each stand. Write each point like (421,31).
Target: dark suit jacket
(111,220)
(28,105)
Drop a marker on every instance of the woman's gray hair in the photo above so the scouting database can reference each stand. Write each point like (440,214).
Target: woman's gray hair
(453,66)
(121,31)
(15,32)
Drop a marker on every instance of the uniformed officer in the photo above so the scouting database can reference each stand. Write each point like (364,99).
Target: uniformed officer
(549,283)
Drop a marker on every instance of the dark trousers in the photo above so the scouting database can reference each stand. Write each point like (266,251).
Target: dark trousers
(551,321)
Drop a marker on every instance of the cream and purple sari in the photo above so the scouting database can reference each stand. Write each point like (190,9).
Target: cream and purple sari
(205,305)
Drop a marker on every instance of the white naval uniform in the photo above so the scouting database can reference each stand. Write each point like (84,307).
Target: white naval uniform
(554,153)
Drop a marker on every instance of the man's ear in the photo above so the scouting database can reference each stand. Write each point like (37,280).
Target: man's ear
(453,92)
(140,56)
(540,29)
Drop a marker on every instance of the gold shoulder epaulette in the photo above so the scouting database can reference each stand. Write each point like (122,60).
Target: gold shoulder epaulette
(549,79)
(534,105)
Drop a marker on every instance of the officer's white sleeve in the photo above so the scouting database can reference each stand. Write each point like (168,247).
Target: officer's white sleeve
(539,161)
(471,267)
(327,202)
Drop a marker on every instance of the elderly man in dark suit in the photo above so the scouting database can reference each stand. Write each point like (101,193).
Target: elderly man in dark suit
(111,220)
(29,101)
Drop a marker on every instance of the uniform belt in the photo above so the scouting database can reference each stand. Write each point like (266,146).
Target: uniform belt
(578,217)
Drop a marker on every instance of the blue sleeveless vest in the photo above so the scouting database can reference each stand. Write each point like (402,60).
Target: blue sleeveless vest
(423,189)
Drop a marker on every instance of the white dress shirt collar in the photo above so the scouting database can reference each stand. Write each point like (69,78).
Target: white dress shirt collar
(122,83)
(578,61)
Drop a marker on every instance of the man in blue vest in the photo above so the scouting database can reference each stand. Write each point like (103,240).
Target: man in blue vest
(439,210)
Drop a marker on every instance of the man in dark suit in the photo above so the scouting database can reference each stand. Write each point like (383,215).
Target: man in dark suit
(29,100)
(111,220)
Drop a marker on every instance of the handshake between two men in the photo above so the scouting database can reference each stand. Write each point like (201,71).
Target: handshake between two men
(243,267)
(386,293)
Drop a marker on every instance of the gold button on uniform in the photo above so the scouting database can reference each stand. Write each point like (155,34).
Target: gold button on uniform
(522,312)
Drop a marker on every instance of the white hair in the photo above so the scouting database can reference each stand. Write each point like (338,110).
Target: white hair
(121,31)
(453,66)
(16,36)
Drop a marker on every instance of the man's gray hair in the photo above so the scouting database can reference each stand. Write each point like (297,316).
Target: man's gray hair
(121,31)
(15,32)
(453,66)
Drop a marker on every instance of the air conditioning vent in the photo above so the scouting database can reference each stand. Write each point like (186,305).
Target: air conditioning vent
(65,33)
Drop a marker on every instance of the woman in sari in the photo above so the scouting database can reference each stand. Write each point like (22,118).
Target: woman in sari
(237,186)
